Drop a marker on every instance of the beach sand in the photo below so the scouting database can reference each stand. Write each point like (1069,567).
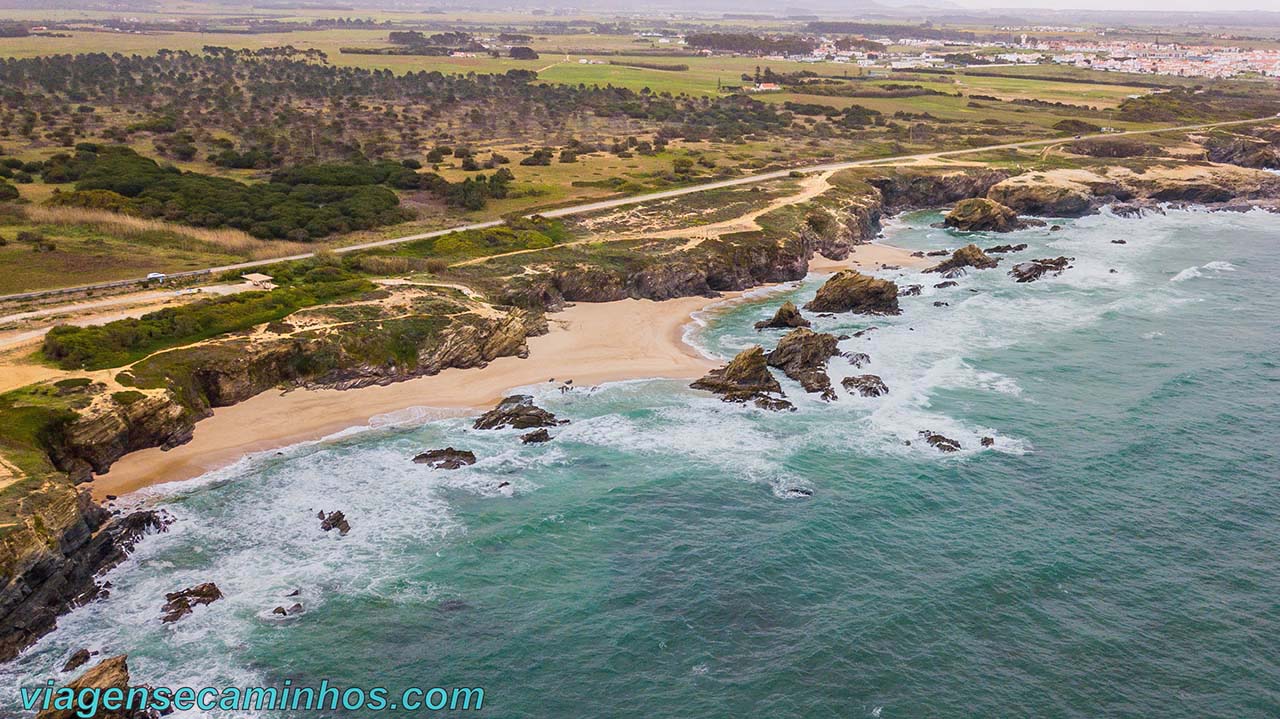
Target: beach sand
(589,343)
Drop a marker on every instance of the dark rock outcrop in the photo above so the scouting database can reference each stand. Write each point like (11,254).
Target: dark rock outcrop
(786,317)
(1000,249)
(447,458)
(979,214)
(867,385)
(939,442)
(967,256)
(48,573)
(745,379)
(852,291)
(179,604)
(802,355)
(517,411)
(537,436)
(78,658)
(857,359)
(1035,269)
(910,291)
(334,520)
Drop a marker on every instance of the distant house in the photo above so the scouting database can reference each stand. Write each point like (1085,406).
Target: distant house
(763,87)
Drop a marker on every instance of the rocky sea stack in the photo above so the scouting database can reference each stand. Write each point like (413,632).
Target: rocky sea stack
(979,214)
(852,291)
(745,378)
(1035,269)
(517,411)
(967,256)
(447,458)
(802,355)
(786,317)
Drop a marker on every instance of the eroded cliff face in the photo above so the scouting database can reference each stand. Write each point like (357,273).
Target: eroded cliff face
(911,190)
(60,540)
(1077,192)
(51,561)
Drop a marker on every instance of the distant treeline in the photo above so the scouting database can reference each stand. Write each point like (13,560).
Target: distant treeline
(749,44)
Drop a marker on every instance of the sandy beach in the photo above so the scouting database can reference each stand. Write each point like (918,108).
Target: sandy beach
(588,343)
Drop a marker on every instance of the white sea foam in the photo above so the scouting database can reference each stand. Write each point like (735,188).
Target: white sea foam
(1200,271)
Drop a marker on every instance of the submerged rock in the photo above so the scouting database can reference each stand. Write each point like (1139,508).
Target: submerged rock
(1033,270)
(78,658)
(910,290)
(334,520)
(536,437)
(802,355)
(945,285)
(517,411)
(979,214)
(745,378)
(987,441)
(857,359)
(786,316)
(447,458)
(967,256)
(852,291)
(939,442)
(867,385)
(179,604)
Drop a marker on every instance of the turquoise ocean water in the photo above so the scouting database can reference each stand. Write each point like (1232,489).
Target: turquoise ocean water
(1116,553)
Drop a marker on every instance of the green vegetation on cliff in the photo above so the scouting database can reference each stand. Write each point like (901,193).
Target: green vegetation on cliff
(124,341)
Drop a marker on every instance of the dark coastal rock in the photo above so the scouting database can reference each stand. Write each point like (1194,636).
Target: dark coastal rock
(745,379)
(864,333)
(1035,269)
(786,317)
(867,385)
(852,291)
(1119,242)
(49,575)
(967,256)
(802,355)
(109,674)
(1001,249)
(941,304)
(945,285)
(180,604)
(910,291)
(979,214)
(857,359)
(334,520)
(537,436)
(78,658)
(281,611)
(517,411)
(447,458)
(939,442)
(987,441)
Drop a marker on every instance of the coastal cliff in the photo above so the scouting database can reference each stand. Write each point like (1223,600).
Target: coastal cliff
(56,540)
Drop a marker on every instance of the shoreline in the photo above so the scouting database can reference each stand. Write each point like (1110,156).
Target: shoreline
(590,343)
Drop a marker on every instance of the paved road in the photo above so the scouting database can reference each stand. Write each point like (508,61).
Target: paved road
(637,199)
